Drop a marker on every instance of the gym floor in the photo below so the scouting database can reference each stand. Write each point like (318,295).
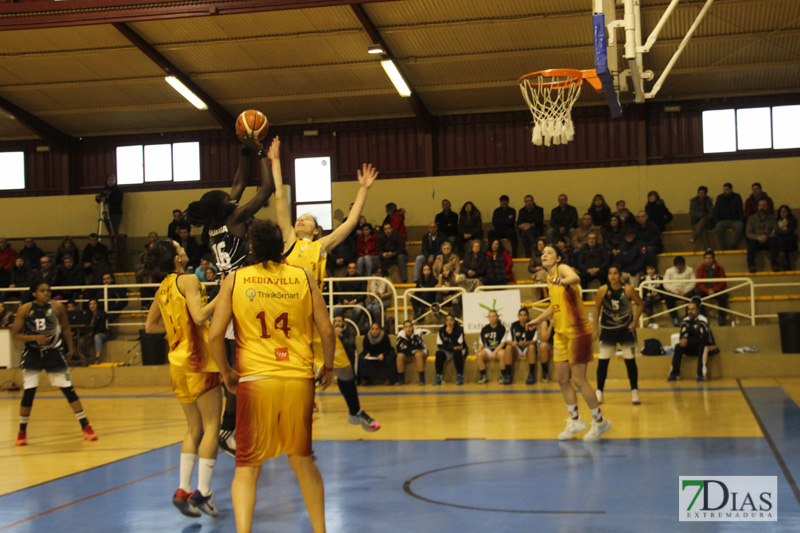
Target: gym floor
(449,459)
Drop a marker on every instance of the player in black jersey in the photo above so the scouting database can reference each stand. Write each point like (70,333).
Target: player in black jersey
(615,323)
(521,342)
(450,345)
(227,230)
(411,344)
(492,346)
(44,328)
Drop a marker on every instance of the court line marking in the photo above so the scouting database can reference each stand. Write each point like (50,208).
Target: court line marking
(771,443)
(86,498)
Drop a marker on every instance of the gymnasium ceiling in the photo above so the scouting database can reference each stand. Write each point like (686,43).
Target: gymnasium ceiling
(70,68)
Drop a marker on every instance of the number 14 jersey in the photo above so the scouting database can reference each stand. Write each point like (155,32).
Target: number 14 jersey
(273,320)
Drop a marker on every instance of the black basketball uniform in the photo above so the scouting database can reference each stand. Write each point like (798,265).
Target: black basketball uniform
(407,346)
(42,320)
(447,342)
(492,337)
(231,252)
(616,316)
(519,333)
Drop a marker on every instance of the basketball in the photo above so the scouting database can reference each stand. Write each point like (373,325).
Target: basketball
(252,122)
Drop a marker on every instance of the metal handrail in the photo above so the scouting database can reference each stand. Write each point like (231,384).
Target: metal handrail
(657,286)
(331,293)
(409,294)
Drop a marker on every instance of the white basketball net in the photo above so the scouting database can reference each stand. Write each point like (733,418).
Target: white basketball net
(551,99)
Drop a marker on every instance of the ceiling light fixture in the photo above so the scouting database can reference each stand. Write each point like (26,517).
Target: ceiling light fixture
(394,75)
(375,49)
(185,92)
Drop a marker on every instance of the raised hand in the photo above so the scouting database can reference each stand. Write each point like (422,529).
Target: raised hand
(367,175)
(274,151)
(250,141)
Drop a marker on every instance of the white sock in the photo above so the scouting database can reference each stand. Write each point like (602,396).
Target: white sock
(204,470)
(597,415)
(187,467)
(573,411)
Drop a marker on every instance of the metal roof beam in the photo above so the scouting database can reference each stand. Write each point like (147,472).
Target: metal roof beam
(35,124)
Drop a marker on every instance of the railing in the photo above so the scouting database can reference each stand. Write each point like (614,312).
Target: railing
(331,294)
(121,252)
(432,307)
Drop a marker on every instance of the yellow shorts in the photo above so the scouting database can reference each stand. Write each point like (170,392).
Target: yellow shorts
(340,359)
(273,416)
(576,350)
(188,386)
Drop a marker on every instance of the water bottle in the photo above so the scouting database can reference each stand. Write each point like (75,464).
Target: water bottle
(474,346)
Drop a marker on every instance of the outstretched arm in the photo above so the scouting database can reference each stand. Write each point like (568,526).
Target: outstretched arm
(366,177)
(242,172)
(282,214)
(247,210)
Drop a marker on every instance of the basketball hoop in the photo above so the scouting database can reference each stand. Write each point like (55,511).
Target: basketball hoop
(550,95)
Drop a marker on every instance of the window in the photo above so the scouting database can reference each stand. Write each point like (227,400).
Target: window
(13,175)
(761,128)
(158,162)
(312,180)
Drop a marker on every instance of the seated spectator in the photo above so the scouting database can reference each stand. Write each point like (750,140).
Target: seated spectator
(592,261)
(492,347)
(47,273)
(21,277)
(30,252)
(189,244)
(695,340)
(362,221)
(600,212)
(503,225)
(366,251)
(651,296)
(447,257)
(448,279)
(343,254)
(175,225)
(79,322)
(710,269)
(678,281)
(5,280)
(67,247)
(751,204)
(563,220)
(728,214)
(567,255)
(521,342)
(396,217)
(6,316)
(377,359)
(70,274)
(211,278)
(614,234)
(347,336)
(392,251)
(380,295)
(657,211)
(152,239)
(624,215)
(426,280)
(100,267)
(530,223)
(701,215)
(499,265)
(206,262)
(760,235)
(632,257)
(97,335)
(7,254)
(94,252)
(581,234)
(117,297)
(350,293)
(470,225)
(786,235)
(648,233)
(474,266)
(411,345)
(537,271)
(450,345)
(447,222)
(431,247)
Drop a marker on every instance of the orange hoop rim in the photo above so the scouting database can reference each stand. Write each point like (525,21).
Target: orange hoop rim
(578,77)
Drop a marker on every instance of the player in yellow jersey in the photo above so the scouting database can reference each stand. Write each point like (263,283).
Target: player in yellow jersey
(275,308)
(180,310)
(572,344)
(304,247)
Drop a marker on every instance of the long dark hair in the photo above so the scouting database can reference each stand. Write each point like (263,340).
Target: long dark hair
(596,196)
(161,257)
(266,239)
(212,207)
(474,211)
(789,214)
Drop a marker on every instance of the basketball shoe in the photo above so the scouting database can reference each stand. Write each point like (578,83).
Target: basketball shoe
(598,428)
(574,426)
(204,503)
(22,438)
(183,503)
(364,420)
(88,433)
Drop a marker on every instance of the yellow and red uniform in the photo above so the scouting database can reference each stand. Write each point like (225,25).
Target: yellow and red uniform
(572,331)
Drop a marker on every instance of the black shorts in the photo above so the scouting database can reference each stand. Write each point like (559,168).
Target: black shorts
(616,336)
(52,360)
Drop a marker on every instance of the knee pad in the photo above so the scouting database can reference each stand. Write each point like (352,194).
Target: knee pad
(69,394)
(27,397)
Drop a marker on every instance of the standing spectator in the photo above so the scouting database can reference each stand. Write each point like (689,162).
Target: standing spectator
(530,222)
(624,215)
(537,270)
(563,220)
(600,211)
(615,234)
(701,213)
(708,270)
(450,345)
(651,296)
(431,246)
(112,196)
(175,225)
(657,211)
(93,253)
(760,235)
(378,359)
(632,257)
(593,261)
(678,281)
(396,217)
(7,254)
(499,265)
(475,263)
(367,251)
(448,258)
(426,280)
(21,276)
(188,243)
(695,339)
(30,252)
(410,344)
(392,251)
(67,247)
(503,224)
(447,221)
(728,214)
(470,225)
(70,274)
(492,346)
(581,234)
(751,204)
(648,233)
(786,234)
(351,293)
